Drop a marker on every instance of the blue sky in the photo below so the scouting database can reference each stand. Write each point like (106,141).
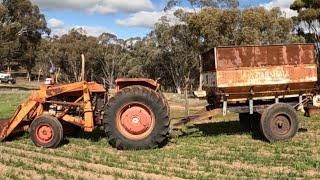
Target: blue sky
(121,17)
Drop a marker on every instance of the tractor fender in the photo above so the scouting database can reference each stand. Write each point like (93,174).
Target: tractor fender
(146,82)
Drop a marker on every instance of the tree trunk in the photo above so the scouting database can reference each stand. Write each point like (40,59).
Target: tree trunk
(201,73)
(58,74)
(29,75)
(39,74)
(9,68)
(178,88)
(92,74)
(187,112)
(187,79)
(112,73)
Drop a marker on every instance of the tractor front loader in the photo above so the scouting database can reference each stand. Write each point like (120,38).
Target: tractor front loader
(136,116)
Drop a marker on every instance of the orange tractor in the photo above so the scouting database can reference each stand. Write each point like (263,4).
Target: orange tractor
(135,117)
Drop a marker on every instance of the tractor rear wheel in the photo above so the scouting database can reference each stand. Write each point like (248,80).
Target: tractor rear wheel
(279,122)
(136,118)
(46,131)
(163,97)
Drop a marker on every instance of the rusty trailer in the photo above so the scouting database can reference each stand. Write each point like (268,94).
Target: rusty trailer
(266,83)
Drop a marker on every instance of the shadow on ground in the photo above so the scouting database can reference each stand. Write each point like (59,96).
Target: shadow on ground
(198,130)
(223,128)
(219,128)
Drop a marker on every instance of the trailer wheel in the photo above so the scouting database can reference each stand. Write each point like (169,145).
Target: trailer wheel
(46,131)
(136,118)
(279,122)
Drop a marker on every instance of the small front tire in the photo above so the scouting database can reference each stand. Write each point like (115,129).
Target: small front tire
(46,132)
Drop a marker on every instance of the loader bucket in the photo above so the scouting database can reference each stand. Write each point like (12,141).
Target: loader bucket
(4,125)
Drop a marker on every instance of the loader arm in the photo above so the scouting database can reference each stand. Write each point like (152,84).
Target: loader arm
(7,126)
(33,107)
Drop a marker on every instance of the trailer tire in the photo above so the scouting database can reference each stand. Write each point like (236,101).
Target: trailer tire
(279,122)
(46,131)
(136,117)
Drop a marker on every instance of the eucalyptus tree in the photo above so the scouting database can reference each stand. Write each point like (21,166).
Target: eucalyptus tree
(178,57)
(252,26)
(22,27)
(308,20)
(68,50)
(184,15)
(110,53)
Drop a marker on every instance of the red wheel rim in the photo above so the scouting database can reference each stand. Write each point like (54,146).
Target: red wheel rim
(44,133)
(135,121)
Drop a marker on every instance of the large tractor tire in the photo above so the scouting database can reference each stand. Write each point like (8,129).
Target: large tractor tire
(136,118)
(46,131)
(279,122)
(163,97)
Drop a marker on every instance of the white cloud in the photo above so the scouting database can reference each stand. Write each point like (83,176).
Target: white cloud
(141,19)
(94,30)
(149,19)
(90,30)
(97,6)
(283,4)
(58,28)
(55,23)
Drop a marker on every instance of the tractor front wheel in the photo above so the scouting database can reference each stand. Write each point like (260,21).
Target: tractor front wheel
(136,118)
(46,131)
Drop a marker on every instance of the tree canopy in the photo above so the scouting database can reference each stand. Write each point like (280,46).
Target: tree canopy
(21,29)
(308,20)
(170,52)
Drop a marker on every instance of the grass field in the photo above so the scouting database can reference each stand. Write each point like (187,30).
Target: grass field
(220,150)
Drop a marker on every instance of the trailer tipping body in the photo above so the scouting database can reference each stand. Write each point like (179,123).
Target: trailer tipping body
(259,71)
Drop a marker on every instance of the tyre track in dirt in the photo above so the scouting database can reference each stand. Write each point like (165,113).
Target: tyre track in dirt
(72,171)
(143,166)
(72,163)
(242,166)
(168,165)
(171,168)
(7,171)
